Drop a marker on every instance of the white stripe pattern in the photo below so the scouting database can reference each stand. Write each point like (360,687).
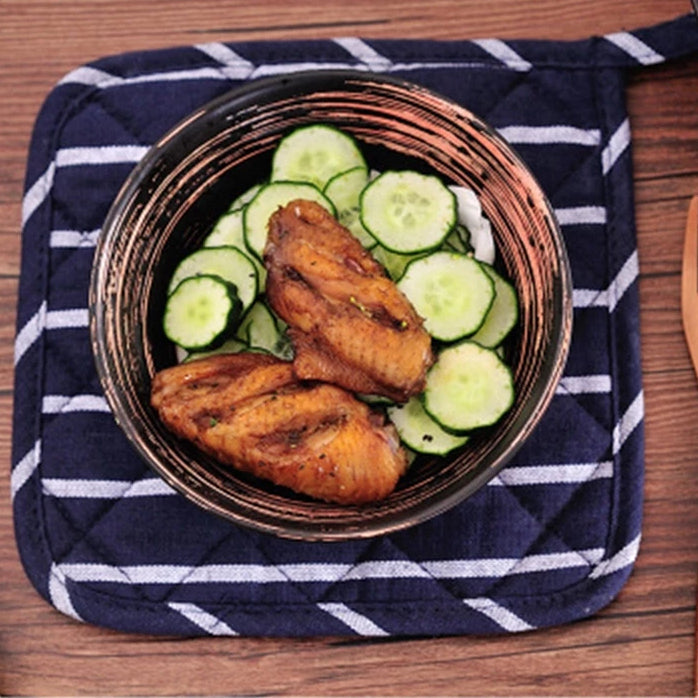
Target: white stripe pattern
(74,318)
(68,488)
(634,47)
(70,319)
(553,134)
(497,567)
(87,75)
(58,592)
(611,296)
(581,215)
(328,572)
(71,157)
(511,476)
(102,80)
(73,238)
(30,332)
(573,474)
(364,53)
(57,404)
(386,569)
(234,66)
(617,144)
(503,617)
(623,281)
(577,385)
(38,192)
(25,468)
(359,623)
(202,619)
(100,155)
(623,559)
(504,53)
(334,573)
(629,421)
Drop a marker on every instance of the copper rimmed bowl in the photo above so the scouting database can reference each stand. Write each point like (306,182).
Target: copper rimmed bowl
(186,181)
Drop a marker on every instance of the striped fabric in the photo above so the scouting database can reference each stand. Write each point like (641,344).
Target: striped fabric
(550,540)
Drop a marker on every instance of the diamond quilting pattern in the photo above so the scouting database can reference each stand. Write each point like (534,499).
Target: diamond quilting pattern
(546,542)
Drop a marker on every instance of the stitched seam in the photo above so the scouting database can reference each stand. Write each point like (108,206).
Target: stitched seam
(609,197)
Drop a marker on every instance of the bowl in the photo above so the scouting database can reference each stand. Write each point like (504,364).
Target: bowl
(188,179)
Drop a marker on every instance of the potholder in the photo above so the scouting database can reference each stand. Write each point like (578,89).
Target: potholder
(550,540)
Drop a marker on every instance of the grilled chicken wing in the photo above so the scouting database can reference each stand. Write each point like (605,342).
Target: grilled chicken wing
(250,411)
(349,323)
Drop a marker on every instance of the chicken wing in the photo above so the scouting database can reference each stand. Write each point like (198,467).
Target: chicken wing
(251,412)
(349,323)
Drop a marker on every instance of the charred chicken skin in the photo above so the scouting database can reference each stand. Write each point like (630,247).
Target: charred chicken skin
(250,411)
(349,323)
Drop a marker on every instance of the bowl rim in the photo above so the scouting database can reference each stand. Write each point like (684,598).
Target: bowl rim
(247,95)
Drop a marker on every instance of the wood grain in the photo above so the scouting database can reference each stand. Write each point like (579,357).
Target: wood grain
(641,644)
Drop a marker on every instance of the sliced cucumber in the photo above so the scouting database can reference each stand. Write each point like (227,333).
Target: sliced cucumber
(468,387)
(200,311)
(451,291)
(267,201)
(407,211)
(229,346)
(229,263)
(229,232)
(315,154)
(458,240)
(420,432)
(344,191)
(260,329)
(394,263)
(243,199)
(502,315)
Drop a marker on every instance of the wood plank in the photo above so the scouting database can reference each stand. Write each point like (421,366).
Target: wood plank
(643,642)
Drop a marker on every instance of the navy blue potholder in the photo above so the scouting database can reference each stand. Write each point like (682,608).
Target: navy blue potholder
(550,540)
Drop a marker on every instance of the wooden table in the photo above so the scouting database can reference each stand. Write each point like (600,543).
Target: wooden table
(644,642)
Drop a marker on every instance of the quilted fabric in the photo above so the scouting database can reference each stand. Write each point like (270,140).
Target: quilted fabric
(552,539)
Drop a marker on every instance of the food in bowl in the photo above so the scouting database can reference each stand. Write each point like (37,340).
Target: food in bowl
(172,202)
(249,410)
(349,324)
(422,335)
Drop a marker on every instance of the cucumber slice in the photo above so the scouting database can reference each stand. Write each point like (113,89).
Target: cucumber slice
(468,387)
(502,315)
(451,291)
(344,191)
(420,432)
(229,346)
(458,240)
(199,312)
(229,231)
(315,154)
(269,199)
(245,198)
(407,211)
(229,263)
(260,329)
(394,263)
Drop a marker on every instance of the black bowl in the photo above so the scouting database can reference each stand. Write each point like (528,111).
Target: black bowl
(187,180)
